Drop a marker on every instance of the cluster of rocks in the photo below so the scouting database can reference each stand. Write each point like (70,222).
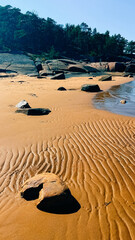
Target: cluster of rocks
(12,64)
(24,107)
(60,66)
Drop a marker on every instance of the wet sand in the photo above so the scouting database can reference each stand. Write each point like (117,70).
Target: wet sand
(91,150)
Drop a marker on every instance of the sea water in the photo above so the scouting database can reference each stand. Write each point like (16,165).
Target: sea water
(110,99)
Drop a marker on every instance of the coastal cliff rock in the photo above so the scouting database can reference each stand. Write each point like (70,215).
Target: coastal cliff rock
(18,63)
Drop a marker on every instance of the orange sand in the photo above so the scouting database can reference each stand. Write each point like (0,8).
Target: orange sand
(91,150)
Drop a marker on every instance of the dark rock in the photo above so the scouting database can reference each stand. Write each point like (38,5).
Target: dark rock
(58,76)
(116,67)
(105,78)
(90,88)
(23,104)
(62,89)
(130,68)
(34,111)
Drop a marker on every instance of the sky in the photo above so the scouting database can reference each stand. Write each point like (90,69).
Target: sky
(117,16)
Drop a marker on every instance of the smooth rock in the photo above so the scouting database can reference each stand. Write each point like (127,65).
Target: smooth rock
(90,88)
(44,185)
(62,89)
(23,104)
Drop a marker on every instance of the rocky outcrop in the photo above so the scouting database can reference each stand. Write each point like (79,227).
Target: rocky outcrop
(90,88)
(18,63)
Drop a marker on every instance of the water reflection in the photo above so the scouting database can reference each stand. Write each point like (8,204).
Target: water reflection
(110,100)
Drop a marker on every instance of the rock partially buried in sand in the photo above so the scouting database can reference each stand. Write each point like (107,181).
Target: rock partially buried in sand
(23,104)
(34,111)
(52,194)
(50,184)
(62,89)
(123,101)
(90,88)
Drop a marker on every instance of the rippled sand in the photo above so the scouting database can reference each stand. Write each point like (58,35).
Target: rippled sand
(91,150)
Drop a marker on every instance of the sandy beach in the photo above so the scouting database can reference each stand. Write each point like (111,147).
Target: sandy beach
(90,149)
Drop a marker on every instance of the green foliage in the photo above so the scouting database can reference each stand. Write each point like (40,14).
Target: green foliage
(45,38)
(130,48)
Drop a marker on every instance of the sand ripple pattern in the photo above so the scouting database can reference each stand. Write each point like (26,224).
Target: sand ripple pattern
(97,161)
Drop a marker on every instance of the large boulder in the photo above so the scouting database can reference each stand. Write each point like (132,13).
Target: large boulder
(130,68)
(58,76)
(116,67)
(90,88)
